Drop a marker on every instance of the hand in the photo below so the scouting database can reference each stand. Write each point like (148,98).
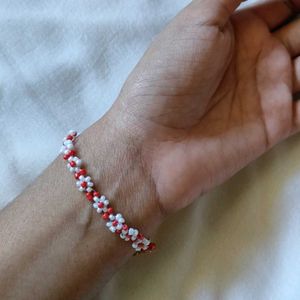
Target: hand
(213,92)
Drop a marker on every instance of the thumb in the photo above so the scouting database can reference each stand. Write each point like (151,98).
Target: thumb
(212,12)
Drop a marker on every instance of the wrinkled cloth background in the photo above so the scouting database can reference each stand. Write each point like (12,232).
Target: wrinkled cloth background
(62,64)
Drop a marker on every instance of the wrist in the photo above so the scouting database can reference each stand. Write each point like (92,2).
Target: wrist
(71,235)
(116,165)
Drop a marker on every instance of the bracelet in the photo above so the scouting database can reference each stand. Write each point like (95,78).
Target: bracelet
(115,222)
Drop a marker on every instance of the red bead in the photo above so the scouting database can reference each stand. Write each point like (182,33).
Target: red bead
(84,184)
(66,156)
(72,153)
(96,194)
(118,231)
(110,210)
(70,137)
(151,246)
(72,164)
(140,236)
(105,216)
(125,227)
(82,172)
(115,223)
(89,196)
(100,204)
(76,175)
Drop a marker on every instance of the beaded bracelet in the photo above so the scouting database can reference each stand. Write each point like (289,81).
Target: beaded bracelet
(115,222)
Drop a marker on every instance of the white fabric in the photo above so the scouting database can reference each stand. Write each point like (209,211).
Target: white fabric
(62,63)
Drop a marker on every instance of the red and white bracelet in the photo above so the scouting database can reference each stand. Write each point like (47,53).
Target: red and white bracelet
(115,222)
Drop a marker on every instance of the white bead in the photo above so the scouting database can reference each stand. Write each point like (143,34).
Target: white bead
(88,178)
(104,209)
(119,226)
(89,189)
(70,146)
(99,210)
(134,245)
(121,220)
(62,150)
(136,232)
(133,238)
(78,183)
(130,231)
(90,184)
(66,151)
(67,142)
(72,169)
(111,217)
(96,199)
(124,231)
(81,177)
(72,132)
(127,239)
(138,249)
(95,205)
(146,242)
(81,189)
(118,216)
(78,162)
(122,236)
(70,158)
(77,170)
(106,202)
(102,198)
(108,224)
(112,229)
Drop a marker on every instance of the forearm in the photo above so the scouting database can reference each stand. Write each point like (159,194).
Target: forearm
(53,244)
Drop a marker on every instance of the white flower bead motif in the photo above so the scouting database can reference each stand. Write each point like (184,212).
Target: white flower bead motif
(101,204)
(74,164)
(141,243)
(84,184)
(137,246)
(116,223)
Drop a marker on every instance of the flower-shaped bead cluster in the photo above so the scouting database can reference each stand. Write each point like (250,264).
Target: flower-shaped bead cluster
(101,204)
(74,164)
(115,223)
(142,244)
(85,184)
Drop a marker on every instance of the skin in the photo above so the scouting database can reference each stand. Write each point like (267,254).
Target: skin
(213,92)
